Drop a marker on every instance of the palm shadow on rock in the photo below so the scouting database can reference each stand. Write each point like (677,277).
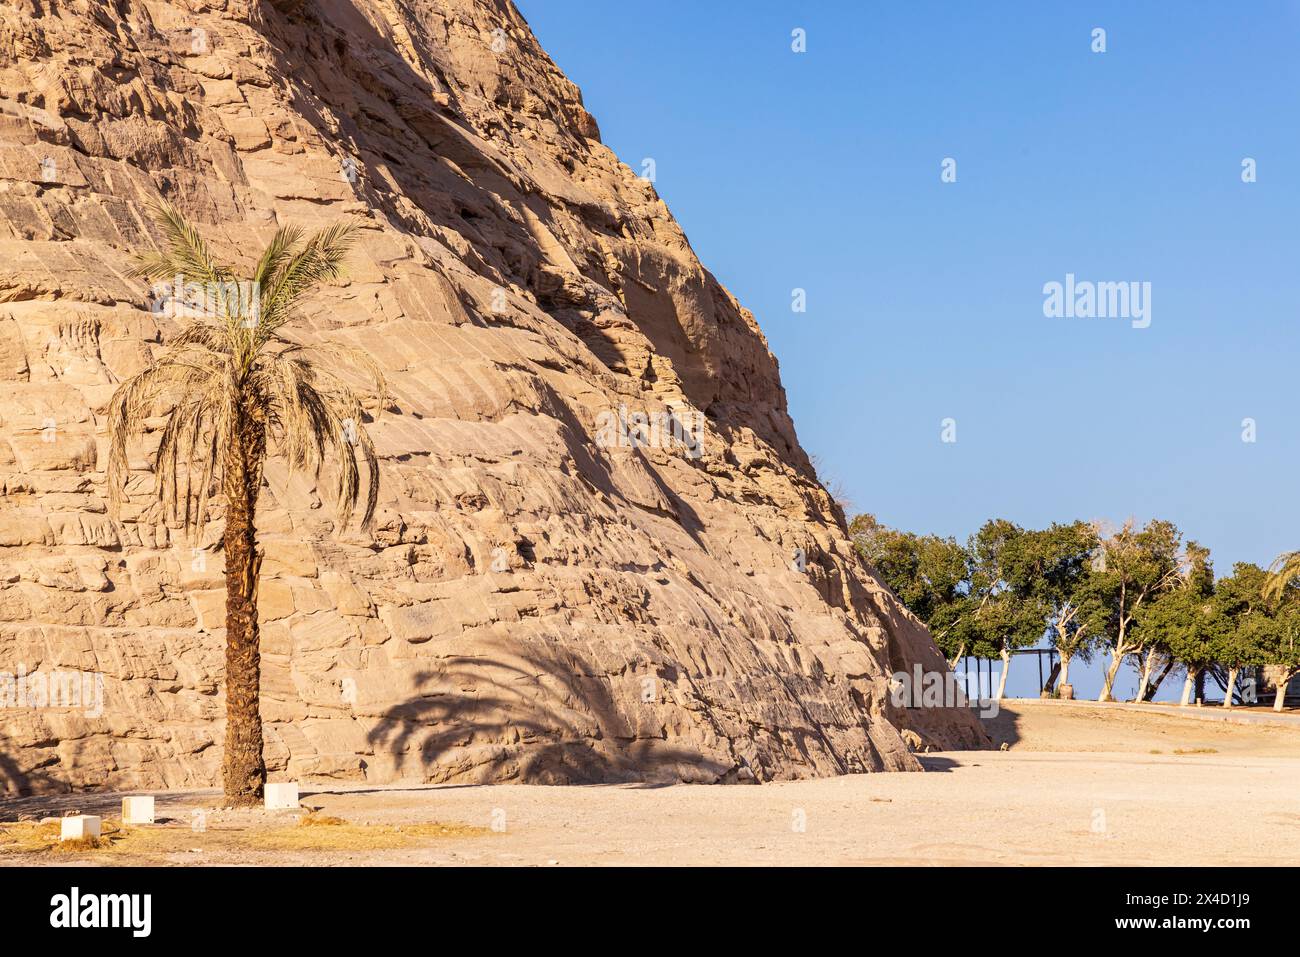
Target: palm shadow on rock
(533,719)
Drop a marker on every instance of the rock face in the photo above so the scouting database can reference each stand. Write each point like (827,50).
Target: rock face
(542,599)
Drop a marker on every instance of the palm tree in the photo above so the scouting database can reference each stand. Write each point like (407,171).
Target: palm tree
(1282,572)
(234,388)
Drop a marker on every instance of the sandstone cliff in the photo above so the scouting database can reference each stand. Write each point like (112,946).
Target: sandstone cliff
(538,602)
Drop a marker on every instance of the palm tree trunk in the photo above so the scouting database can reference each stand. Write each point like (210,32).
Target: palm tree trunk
(244,771)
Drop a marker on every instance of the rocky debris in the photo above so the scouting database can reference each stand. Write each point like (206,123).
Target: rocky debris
(548,595)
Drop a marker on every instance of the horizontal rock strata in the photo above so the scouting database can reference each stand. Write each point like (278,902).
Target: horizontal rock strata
(541,599)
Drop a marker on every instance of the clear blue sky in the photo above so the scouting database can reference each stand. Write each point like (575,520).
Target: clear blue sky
(821,170)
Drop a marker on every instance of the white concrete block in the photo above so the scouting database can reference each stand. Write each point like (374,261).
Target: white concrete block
(281,796)
(79,826)
(137,810)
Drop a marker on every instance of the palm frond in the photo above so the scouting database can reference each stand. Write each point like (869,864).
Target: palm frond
(309,414)
(320,259)
(277,253)
(215,380)
(343,356)
(203,335)
(188,459)
(185,255)
(1284,571)
(132,404)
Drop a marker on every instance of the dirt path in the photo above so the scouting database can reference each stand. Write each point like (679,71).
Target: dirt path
(1106,800)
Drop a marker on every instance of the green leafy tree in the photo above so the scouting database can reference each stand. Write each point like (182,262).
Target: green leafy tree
(1186,623)
(926,572)
(233,388)
(1009,612)
(1241,600)
(1283,650)
(1161,629)
(1132,567)
(1281,642)
(1054,565)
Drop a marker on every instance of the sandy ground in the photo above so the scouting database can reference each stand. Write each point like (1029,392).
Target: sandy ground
(1079,785)
(1061,726)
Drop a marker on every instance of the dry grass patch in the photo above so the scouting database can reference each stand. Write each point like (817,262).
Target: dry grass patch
(336,834)
(321,820)
(313,832)
(31,837)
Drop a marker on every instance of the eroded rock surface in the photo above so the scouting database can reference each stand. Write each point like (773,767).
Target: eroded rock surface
(537,602)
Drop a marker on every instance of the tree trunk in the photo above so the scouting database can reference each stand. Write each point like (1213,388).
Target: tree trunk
(1117,660)
(1160,679)
(1005,655)
(952,663)
(1050,685)
(1187,687)
(1232,684)
(1280,701)
(243,771)
(1148,666)
(1065,670)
